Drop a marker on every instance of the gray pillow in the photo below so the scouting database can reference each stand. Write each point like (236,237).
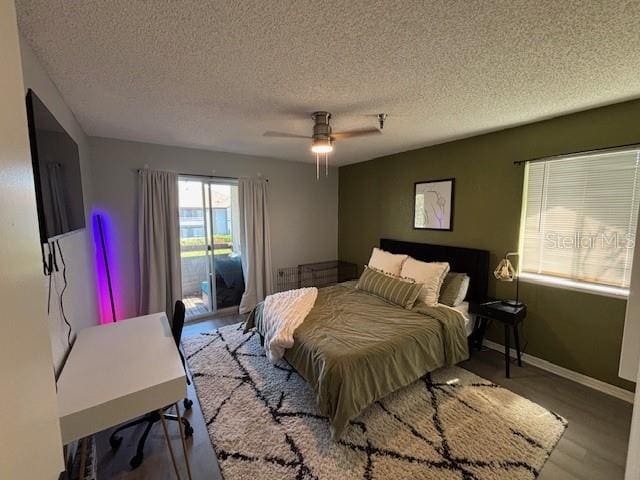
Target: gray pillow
(454,289)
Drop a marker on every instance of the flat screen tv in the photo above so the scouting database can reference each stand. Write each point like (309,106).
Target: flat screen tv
(56,168)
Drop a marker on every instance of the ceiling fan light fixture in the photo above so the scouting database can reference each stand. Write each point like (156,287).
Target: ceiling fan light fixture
(323,137)
(321,145)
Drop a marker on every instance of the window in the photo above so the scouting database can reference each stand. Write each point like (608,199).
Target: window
(579,218)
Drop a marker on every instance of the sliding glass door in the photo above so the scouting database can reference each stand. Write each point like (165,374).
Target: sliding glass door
(210,252)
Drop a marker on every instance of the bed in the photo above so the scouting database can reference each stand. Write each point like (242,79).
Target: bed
(355,348)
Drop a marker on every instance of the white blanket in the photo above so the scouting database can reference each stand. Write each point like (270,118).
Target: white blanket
(284,312)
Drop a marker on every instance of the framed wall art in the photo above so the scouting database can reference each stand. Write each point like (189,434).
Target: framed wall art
(433,204)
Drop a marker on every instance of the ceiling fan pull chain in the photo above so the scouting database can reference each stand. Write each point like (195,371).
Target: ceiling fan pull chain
(317,166)
(326,164)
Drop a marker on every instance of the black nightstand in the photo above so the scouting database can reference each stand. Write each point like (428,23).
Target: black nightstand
(511,317)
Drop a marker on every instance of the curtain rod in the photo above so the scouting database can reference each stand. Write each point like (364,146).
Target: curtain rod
(562,156)
(182,174)
(215,176)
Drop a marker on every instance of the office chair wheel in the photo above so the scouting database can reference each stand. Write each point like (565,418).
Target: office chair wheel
(188,429)
(136,461)
(187,404)
(115,442)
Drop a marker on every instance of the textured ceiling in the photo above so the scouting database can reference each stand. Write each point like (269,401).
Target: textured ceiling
(218,74)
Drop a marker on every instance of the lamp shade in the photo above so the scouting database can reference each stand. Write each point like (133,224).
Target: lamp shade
(505,271)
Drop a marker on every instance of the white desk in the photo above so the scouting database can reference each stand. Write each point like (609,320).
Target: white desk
(116,372)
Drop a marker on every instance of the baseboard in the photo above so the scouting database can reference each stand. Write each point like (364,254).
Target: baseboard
(590,382)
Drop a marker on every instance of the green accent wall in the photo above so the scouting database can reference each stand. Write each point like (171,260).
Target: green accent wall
(576,330)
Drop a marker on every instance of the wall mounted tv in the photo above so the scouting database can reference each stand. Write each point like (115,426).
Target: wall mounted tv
(56,168)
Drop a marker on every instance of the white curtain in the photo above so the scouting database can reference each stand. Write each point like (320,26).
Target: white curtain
(158,242)
(255,241)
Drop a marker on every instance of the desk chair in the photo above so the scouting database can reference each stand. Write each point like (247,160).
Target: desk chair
(151,418)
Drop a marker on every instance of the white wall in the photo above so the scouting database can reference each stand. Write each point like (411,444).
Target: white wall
(80,299)
(632,468)
(30,446)
(304,212)
(630,353)
(629,359)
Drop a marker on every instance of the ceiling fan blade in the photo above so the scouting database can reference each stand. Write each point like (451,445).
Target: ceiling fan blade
(284,135)
(355,133)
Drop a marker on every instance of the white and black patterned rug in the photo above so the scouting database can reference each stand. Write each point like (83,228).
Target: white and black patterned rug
(264,423)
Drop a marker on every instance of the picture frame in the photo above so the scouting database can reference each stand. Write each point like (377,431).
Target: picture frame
(433,202)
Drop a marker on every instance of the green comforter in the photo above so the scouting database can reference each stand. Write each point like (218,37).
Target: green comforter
(354,348)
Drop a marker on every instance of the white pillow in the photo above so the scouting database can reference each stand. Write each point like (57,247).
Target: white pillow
(389,263)
(430,274)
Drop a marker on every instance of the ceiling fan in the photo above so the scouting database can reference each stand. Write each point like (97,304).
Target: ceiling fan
(323,137)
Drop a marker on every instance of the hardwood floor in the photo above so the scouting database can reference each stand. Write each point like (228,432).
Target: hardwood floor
(593,447)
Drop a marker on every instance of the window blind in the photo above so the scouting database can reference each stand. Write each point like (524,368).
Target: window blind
(580,215)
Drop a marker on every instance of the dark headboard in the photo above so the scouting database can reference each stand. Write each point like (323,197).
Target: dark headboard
(471,261)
